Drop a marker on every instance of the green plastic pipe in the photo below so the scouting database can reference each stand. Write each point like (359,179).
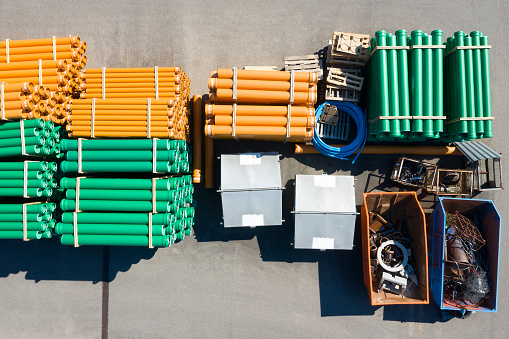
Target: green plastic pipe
(188,231)
(417,82)
(51,142)
(17,183)
(18,166)
(19,235)
(40,208)
(33,140)
(133,184)
(49,125)
(478,89)
(52,207)
(438,82)
(114,206)
(118,218)
(121,144)
(29,149)
(103,155)
(53,183)
(469,84)
(459,56)
(452,98)
(29,132)
(485,71)
(52,223)
(112,229)
(403,95)
(128,195)
(18,217)
(115,166)
(10,125)
(382,81)
(47,234)
(20,174)
(18,192)
(116,240)
(18,226)
(427,87)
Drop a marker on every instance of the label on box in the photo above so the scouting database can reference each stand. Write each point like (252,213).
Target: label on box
(250,159)
(323,243)
(326,181)
(252,220)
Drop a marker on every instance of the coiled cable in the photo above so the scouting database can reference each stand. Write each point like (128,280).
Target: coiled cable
(357,144)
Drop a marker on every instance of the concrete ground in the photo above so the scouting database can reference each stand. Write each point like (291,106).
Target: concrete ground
(233,283)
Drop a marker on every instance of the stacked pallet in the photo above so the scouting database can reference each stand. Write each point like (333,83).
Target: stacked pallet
(54,65)
(344,84)
(132,102)
(467,87)
(94,211)
(29,137)
(304,63)
(27,221)
(261,105)
(134,156)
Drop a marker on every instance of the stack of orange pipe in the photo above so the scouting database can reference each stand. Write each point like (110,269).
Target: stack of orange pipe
(262,105)
(123,112)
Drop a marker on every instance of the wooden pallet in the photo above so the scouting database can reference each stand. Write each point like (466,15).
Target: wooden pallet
(341,94)
(342,61)
(352,44)
(344,79)
(304,63)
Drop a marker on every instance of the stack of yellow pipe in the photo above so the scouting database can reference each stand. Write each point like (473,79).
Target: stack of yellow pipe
(123,112)
(262,105)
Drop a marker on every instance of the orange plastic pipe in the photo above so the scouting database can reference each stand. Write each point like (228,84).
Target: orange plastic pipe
(24,65)
(225,120)
(132,95)
(30,73)
(116,107)
(222,73)
(130,75)
(131,80)
(265,85)
(131,85)
(258,110)
(116,134)
(133,70)
(73,41)
(21,104)
(25,87)
(167,90)
(122,101)
(114,118)
(388,149)
(42,56)
(38,49)
(269,97)
(77,124)
(209,162)
(125,129)
(261,132)
(197,138)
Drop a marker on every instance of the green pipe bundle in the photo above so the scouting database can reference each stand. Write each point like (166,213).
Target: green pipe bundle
(38,179)
(119,211)
(108,156)
(38,218)
(40,138)
(467,87)
(405,80)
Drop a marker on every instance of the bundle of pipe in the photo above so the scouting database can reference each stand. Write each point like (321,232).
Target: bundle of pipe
(147,156)
(38,218)
(27,179)
(467,87)
(29,137)
(406,86)
(162,204)
(55,63)
(261,105)
(120,118)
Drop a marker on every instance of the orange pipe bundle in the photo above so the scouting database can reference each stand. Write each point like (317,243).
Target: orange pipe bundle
(261,105)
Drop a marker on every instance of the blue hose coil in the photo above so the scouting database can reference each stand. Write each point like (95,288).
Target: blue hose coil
(357,144)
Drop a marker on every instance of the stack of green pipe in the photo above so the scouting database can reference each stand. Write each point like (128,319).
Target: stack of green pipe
(136,155)
(39,136)
(467,87)
(103,203)
(39,217)
(40,182)
(405,82)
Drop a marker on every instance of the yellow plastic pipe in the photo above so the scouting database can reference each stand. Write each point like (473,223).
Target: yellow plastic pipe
(197,138)
(215,83)
(384,149)
(269,97)
(222,73)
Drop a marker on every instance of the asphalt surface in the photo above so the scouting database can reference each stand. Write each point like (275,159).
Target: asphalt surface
(233,283)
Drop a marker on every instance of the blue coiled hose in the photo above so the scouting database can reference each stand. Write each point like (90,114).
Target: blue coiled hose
(359,141)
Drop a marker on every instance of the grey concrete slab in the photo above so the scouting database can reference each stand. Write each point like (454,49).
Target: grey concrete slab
(235,283)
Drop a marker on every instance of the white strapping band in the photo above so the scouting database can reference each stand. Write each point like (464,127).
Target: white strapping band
(156,81)
(149,102)
(103,82)
(92,122)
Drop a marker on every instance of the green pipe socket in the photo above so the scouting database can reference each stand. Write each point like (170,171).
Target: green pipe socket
(51,142)
(53,183)
(128,195)
(16,133)
(382,80)
(19,235)
(416,82)
(19,165)
(48,175)
(184,156)
(132,184)
(114,144)
(102,155)
(438,82)
(478,89)
(18,226)
(485,71)
(33,140)
(188,231)
(116,240)
(31,192)
(10,125)
(427,87)
(52,207)
(189,212)
(189,222)
(469,84)
(17,183)
(49,125)
(112,229)
(179,236)
(20,174)
(459,56)
(29,149)
(114,206)
(18,217)
(52,166)
(118,218)
(174,208)
(47,234)
(183,145)
(52,223)
(115,166)
(403,93)
(55,150)
(18,208)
